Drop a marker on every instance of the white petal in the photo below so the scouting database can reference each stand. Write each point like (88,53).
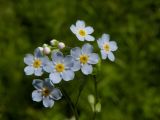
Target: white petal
(55,78)
(89,30)
(113,45)
(76,66)
(38,72)
(68,75)
(48,102)
(68,61)
(36,96)
(57,56)
(89,38)
(80,24)
(93,58)
(87,69)
(56,94)
(37,83)
(100,43)
(75,52)
(106,37)
(73,29)
(80,37)
(104,54)
(37,53)
(87,48)
(28,59)
(49,67)
(111,56)
(29,70)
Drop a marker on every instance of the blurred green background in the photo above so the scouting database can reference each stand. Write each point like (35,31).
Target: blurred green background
(129,88)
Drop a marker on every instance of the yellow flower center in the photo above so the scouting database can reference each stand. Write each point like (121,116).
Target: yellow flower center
(45,92)
(37,63)
(84,59)
(82,33)
(59,67)
(106,47)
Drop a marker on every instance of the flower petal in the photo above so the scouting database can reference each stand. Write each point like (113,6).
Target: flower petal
(87,69)
(38,71)
(68,61)
(56,94)
(49,67)
(89,38)
(113,45)
(104,54)
(93,58)
(76,65)
(36,95)
(80,24)
(55,78)
(111,56)
(28,59)
(73,29)
(57,56)
(75,52)
(29,70)
(37,83)
(47,83)
(105,37)
(89,30)
(37,53)
(87,48)
(68,75)
(48,102)
(80,37)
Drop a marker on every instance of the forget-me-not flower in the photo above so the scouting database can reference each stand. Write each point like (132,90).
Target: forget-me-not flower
(84,58)
(60,68)
(107,47)
(82,32)
(45,92)
(35,63)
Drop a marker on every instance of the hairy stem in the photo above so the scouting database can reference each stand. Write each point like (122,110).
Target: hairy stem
(96,95)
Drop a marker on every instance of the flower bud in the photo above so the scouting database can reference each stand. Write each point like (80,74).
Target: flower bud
(61,45)
(45,45)
(46,50)
(54,42)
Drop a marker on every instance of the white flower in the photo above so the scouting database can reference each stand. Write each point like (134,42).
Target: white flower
(84,58)
(61,45)
(60,67)
(107,47)
(82,32)
(35,63)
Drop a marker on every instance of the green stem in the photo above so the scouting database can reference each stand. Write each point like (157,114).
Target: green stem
(80,91)
(70,103)
(96,95)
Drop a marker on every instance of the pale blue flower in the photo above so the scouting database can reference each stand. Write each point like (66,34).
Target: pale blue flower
(107,47)
(84,58)
(82,32)
(60,68)
(35,63)
(45,92)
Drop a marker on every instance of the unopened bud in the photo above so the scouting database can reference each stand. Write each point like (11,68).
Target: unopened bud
(61,45)
(46,50)
(45,45)
(54,42)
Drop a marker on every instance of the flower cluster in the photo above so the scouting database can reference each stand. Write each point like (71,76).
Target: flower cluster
(50,59)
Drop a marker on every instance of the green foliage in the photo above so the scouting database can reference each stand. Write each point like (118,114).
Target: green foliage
(128,88)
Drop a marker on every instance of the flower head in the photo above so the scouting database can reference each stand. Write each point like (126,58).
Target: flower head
(107,47)
(60,67)
(35,63)
(82,32)
(84,58)
(45,92)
